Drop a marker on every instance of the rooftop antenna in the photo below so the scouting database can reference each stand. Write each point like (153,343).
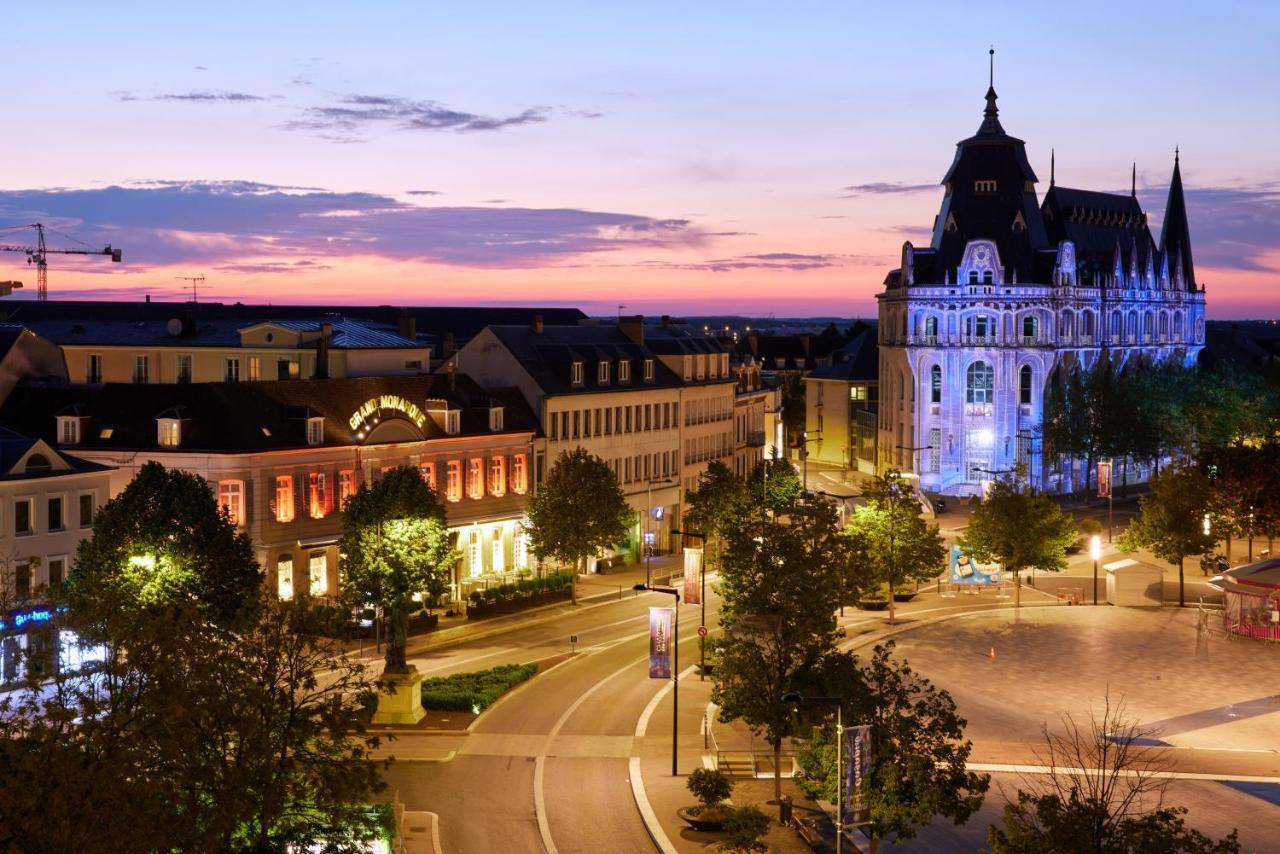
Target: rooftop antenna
(196,282)
(991,78)
(620,308)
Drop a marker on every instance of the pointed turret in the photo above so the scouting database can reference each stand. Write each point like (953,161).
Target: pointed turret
(1175,233)
(990,121)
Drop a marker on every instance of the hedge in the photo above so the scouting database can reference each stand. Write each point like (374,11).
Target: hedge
(523,588)
(473,692)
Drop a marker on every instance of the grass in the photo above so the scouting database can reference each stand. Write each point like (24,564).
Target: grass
(473,692)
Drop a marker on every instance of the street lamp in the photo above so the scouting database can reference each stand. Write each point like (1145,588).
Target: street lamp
(913,450)
(675,669)
(1095,551)
(648,520)
(796,698)
(804,456)
(702,621)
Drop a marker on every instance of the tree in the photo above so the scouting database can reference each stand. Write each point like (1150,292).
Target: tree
(204,738)
(163,540)
(1018,530)
(901,546)
(780,583)
(395,543)
(716,505)
(1170,521)
(578,512)
(793,408)
(918,749)
(1097,796)
(774,484)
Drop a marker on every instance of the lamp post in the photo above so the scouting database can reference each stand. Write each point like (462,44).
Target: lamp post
(675,670)
(702,599)
(648,520)
(1095,551)
(796,698)
(913,450)
(804,457)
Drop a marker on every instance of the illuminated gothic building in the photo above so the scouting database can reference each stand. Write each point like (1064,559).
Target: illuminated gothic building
(1011,296)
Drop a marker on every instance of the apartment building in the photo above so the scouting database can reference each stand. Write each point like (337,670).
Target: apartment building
(840,407)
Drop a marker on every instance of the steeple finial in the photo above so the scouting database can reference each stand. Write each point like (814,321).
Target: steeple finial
(991,71)
(1133,184)
(990,122)
(1053,155)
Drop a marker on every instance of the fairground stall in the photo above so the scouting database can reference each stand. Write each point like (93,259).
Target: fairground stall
(1251,599)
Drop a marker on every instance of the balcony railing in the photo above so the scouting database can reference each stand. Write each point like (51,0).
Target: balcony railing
(755,439)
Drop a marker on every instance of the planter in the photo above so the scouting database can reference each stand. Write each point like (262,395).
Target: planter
(516,604)
(904,597)
(423,623)
(873,604)
(713,824)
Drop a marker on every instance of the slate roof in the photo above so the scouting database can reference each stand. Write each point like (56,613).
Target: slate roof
(13,446)
(1175,232)
(857,361)
(348,334)
(666,340)
(548,355)
(248,417)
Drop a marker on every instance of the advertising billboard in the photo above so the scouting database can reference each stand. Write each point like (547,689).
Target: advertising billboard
(966,570)
(661,623)
(857,765)
(1104,479)
(692,571)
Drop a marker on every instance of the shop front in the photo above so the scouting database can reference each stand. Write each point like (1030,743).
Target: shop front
(34,644)
(1251,599)
(491,552)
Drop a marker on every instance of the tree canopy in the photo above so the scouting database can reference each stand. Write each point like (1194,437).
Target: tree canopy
(717,504)
(395,544)
(775,484)
(1170,521)
(578,511)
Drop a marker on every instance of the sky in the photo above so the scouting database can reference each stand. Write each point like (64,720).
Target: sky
(684,158)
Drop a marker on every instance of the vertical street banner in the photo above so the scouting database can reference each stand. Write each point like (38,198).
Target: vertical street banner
(1104,479)
(692,570)
(857,766)
(661,623)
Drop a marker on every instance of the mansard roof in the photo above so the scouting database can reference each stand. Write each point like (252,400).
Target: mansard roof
(1097,223)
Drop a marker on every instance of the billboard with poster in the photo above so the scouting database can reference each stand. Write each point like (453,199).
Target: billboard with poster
(661,623)
(966,570)
(1104,479)
(857,764)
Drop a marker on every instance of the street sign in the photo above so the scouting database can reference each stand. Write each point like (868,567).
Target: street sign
(702,631)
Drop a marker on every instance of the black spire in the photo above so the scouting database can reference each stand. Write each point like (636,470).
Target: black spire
(990,122)
(1052,156)
(1175,233)
(1133,184)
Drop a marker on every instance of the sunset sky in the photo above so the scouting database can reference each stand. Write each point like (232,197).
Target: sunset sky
(681,158)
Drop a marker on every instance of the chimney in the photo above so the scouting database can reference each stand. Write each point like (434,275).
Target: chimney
(537,324)
(632,326)
(453,374)
(322,352)
(407,326)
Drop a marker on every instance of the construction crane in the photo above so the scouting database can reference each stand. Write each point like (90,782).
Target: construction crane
(37,254)
(196,282)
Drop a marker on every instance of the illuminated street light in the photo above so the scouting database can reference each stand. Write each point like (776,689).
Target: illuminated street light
(1095,551)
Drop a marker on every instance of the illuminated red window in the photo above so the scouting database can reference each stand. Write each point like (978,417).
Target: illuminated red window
(475,477)
(519,474)
(320,496)
(498,476)
(346,486)
(284,498)
(428,471)
(454,486)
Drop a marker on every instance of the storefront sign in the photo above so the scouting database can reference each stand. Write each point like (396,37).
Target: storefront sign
(692,571)
(966,570)
(23,619)
(857,763)
(661,621)
(1104,479)
(392,402)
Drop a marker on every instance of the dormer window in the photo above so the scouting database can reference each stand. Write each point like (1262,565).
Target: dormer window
(452,422)
(575,373)
(984,186)
(624,370)
(168,432)
(688,368)
(648,370)
(602,373)
(315,431)
(69,429)
(495,419)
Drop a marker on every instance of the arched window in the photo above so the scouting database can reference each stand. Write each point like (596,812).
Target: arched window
(979,383)
(1024,385)
(931,326)
(973,277)
(986,277)
(1029,326)
(935,384)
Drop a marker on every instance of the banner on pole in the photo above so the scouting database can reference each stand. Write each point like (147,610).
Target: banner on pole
(1104,479)
(857,763)
(692,569)
(661,621)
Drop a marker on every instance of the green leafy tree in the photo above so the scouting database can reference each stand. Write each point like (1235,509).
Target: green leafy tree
(775,484)
(1018,530)
(1170,521)
(780,583)
(163,540)
(1113,807)
(578,512)
(717,504)
(918,748)
(793,408)
(900,546)
(395,544)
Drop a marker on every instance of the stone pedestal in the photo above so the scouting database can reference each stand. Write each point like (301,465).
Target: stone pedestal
(403,705)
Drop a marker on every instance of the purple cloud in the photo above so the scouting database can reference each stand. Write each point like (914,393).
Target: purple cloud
(356,111)
(201,97)
(883,188)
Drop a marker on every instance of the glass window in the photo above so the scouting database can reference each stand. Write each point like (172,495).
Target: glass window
(452,421)
(318,567)
(22,517)
(284,577)
(170,433)
(931,327)
(54,507)
(346,486)
(475,557)
(319,495)
(519,474)
(255,369)
(1029,327)
(428,472)
(624,370)
(315,431)
(231,499)
(57,571)
(498,551)
(86,510)
(979,383)
(602,372)
(475,477)
(575,373)
(498,476)
(184,368)
(1024,384)
(453,490)
(94,373)
(982,326)
(284,498)
(935,384)
(141,369)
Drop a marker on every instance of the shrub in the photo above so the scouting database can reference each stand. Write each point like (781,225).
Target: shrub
(745,826)
(475,691)
(709,787)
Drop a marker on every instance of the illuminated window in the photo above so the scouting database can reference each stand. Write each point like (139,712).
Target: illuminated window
(170,432)
(255,369)
(315,431)
(452,421)
(475,477)
(979,383)
(68,429)
(498,552)
(318,567)
(346,486)
(284,577)
(519,474)
(453,488)
(495,419)
(984,186)
(318,495)
(230,499)
(284,498)
(521,549)
(428,472)
(475,556)
(498,476)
